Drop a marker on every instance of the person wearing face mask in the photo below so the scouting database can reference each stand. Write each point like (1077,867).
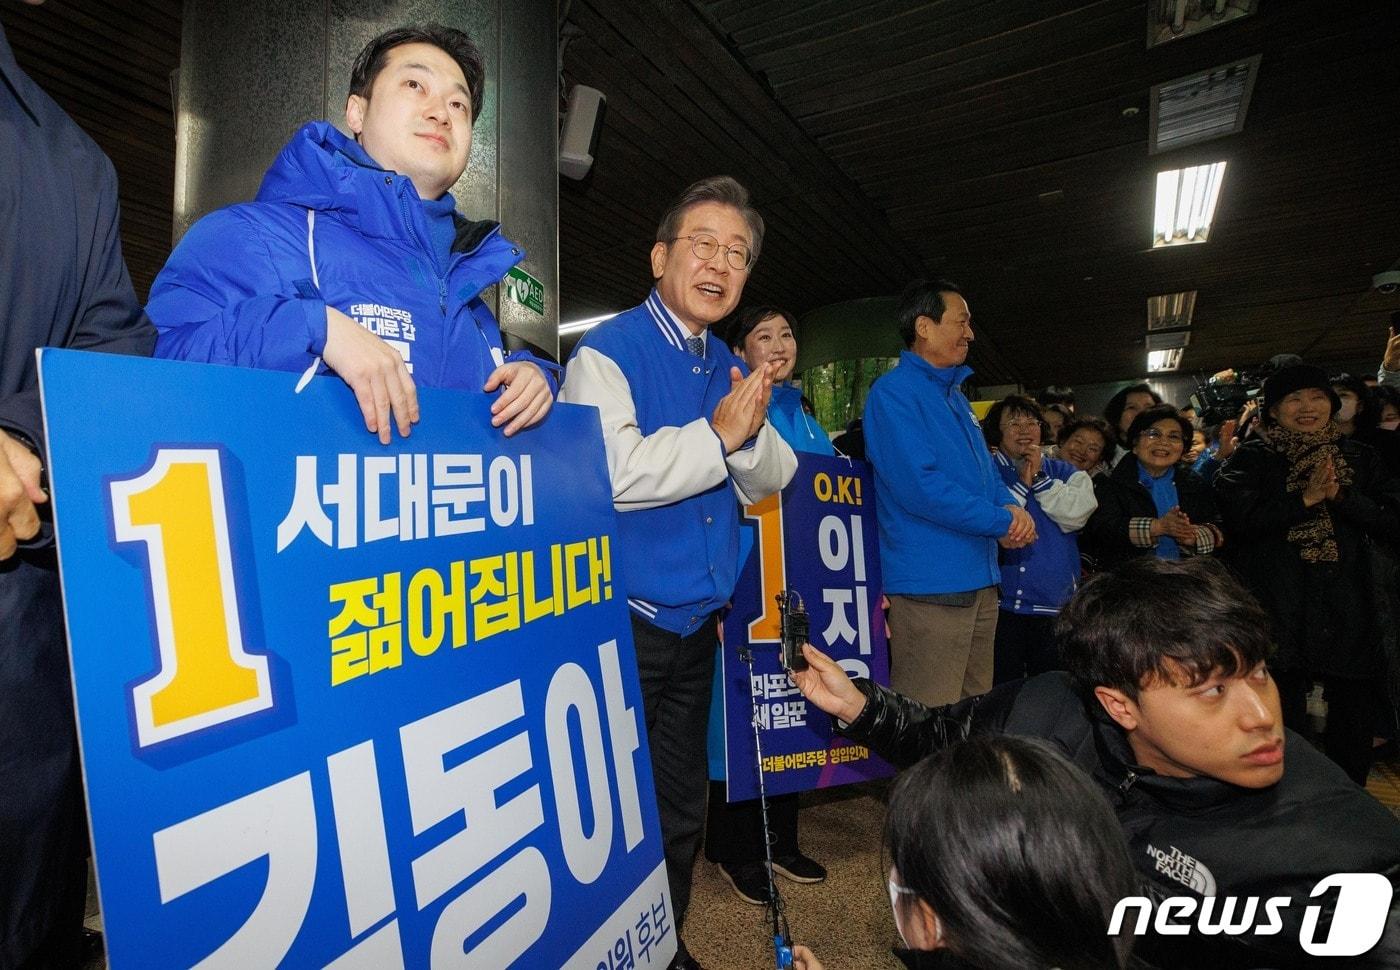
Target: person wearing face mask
(1039,578)
(1387,407)
(1169,707)
(1359,416)
(1151,504)
(1303,509)
(734,832)
(988,871)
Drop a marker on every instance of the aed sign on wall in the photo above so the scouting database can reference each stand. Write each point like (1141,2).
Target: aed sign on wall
(342,704)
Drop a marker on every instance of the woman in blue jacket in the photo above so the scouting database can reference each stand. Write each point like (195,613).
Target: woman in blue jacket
(734,833)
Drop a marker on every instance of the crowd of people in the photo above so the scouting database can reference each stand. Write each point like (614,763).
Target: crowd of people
(1148,598)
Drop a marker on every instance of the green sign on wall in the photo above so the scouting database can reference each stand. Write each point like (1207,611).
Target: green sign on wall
(524,289)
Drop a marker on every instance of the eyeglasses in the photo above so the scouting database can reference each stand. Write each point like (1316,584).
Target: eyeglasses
(704,247)
(1156,434)
(1028,425)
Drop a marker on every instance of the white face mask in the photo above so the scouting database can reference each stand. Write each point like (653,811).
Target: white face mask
(1390,425)
(897,905)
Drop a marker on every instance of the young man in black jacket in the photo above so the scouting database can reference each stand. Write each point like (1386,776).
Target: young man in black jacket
(1169,705)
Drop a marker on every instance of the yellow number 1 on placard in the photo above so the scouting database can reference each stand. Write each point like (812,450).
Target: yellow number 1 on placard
(206,676)
(772,576)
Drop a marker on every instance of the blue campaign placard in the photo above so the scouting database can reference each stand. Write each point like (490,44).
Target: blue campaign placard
(818,538)
(343,704)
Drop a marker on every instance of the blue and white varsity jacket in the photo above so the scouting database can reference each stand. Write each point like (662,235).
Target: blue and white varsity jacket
(1039,578)
(673,486)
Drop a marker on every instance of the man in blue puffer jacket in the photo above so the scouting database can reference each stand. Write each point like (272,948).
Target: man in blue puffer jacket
(353,257)
(941,505)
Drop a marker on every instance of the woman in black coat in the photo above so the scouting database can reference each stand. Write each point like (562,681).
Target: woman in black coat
(1150,504)
(1305,507)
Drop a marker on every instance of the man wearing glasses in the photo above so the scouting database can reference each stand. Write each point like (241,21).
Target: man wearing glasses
(686,434)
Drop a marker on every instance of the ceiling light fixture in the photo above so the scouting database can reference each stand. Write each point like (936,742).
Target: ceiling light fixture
(1199,107)
(1161,361)
(1170,311)
(1186,199)
(579,326)
(1169,20)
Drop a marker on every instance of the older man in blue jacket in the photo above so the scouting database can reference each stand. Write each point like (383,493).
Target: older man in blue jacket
(941,505)
(353,257)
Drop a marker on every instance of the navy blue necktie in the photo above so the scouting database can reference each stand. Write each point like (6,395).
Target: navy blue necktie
(696,346)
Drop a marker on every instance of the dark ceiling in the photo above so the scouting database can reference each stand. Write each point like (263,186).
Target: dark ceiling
(108,65)
(888,138)
(885,139)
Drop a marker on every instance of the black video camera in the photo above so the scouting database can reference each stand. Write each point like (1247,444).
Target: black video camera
(795,629)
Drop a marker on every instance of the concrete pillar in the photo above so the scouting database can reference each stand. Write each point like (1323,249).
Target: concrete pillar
(253,71)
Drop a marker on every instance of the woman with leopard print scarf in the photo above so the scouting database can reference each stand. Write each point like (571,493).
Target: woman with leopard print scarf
(1304,506)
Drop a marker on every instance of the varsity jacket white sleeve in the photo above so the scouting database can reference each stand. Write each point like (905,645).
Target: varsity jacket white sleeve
(672,463)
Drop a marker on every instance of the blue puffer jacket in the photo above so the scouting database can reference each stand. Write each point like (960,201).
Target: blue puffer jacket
(940,503)
(243,287)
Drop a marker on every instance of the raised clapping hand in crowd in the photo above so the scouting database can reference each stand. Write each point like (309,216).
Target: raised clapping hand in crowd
(1022,531)
(1175,524)
(19,493)
(828,686)
(1391,360)
(384,389)
(1029,467)
(1322,484)
(1228,441)
(741,412)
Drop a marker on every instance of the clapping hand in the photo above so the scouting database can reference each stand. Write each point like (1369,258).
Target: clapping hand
(1322,484)
(741,412)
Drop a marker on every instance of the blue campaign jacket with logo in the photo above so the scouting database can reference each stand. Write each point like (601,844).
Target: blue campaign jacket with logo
(240,288)
(939,501)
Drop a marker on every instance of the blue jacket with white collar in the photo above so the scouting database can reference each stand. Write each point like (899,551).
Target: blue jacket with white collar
(673,486)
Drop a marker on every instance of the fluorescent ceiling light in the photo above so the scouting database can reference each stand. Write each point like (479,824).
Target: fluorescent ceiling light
(1169,20)
(1170,311)
(1159,361)
(1186,200)
(579,326)
(1168,341)
(1199,107)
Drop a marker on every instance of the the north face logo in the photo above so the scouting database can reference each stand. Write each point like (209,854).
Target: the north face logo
(1190,872)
